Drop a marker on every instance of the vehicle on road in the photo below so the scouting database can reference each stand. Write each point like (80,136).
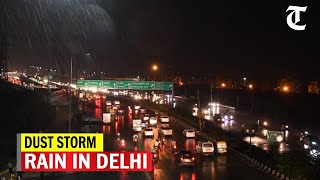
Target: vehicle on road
(205,148)
(165,130)
(284,126)
(106,118)
(165,125)
(189,133)
(135,139)
(250,129)
(145,117)
(310,141)
(116,102)
(108,103)
(164,119)
(184,158)
(122,144)
(157,144)
(217,117)
(148,132)
(155,156)
(144,124)
(153,121)
(136,124)
(136,107)
(141,110)
(221,147)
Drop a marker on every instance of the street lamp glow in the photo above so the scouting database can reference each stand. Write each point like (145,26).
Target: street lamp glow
(250,86)
(223,85)
(155,67)
(285,88)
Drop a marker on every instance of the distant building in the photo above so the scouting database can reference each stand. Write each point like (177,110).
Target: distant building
(313,88)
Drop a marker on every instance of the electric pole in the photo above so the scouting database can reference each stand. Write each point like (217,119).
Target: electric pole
(199,111)
(3,46)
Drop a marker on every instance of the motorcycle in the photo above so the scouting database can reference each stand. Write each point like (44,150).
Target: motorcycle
(155,155)
(162,142)
(122,144)
(135,139)
(174,147)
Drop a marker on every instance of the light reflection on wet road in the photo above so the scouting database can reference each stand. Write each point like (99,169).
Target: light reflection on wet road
(219,166)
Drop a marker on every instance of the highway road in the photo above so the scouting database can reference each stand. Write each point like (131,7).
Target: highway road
(226,166)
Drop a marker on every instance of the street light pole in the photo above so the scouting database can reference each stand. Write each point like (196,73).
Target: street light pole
(211,91)
(250,138)
(252,100)
(251,88)
(70,105)
(199,111)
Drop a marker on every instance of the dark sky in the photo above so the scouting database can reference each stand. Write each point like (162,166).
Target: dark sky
(237,38)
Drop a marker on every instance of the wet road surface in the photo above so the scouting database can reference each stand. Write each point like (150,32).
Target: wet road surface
(220,166)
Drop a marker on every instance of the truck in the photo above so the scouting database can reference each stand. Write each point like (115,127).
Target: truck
(136,123)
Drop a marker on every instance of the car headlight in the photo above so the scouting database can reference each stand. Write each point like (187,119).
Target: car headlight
(287,126)
(314,143)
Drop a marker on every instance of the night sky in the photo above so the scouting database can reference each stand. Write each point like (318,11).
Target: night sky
(236,38)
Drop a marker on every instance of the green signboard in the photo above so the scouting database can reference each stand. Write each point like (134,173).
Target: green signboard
(134,85)
(108,84)
(82,83)
(95,83)
(275,136)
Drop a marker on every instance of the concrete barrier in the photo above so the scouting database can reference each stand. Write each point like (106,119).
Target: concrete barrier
(269,170)
(261,165)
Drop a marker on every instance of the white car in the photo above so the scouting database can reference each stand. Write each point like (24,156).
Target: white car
(165,130)
(189,133)
(144,124)
(206,148)
(146,117)
(108,103)
(165,119)
(153,121)
(143,110)
(148,132)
